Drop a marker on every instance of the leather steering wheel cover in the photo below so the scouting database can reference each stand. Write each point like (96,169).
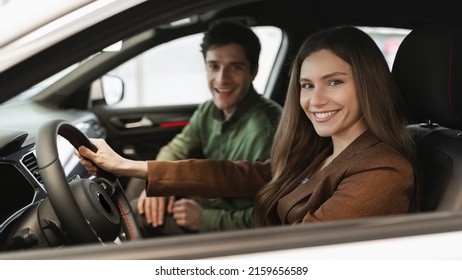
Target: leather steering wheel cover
(56,184)
(61,198)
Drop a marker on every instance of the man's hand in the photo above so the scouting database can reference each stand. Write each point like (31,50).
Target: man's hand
(154,208)
(186,213)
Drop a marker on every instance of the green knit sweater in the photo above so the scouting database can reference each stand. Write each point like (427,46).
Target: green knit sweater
(246,135)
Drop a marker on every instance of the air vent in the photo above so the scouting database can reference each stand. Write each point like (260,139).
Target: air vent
(30,162)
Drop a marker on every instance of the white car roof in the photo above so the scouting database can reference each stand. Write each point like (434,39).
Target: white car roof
(47,22)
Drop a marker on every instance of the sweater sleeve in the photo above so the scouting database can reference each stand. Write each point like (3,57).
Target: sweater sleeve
(220,219)
(207,178)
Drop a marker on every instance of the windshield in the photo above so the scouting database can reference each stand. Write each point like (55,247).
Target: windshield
(31,92)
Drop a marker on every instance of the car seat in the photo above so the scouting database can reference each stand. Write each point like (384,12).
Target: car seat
(428,71)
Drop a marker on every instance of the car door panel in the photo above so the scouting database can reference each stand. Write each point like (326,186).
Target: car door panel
(139,133)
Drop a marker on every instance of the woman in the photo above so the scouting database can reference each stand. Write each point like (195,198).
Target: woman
(340,150)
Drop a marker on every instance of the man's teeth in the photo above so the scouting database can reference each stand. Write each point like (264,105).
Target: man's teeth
(224,90)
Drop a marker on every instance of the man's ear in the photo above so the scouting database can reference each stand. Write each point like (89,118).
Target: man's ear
(255,72)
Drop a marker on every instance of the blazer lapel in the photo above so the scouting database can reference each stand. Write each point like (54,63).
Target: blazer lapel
(303,190)
(335,168)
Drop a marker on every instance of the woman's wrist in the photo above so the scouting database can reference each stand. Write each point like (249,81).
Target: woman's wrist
(134,168)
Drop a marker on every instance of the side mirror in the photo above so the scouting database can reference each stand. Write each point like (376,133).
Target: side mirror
(108,90)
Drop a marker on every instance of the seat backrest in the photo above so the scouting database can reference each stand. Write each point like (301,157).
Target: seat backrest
(428,71)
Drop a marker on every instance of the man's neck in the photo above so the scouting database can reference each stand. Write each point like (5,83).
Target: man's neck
(228,113)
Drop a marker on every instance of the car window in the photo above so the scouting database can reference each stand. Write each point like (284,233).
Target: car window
(174,73)
(177,67)
(388,40)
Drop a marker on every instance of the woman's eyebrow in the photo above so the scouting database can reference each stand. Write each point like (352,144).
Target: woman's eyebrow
(334,74)
(326,76)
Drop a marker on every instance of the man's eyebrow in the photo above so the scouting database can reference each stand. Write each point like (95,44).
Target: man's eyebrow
(232,63)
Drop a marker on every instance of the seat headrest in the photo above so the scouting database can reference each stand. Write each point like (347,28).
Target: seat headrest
(428,70)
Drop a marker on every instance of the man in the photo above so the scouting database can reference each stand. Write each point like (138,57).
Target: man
(236,124)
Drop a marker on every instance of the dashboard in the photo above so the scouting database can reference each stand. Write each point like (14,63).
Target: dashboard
(22,186)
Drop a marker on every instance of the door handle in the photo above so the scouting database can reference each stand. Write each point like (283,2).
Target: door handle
(143,122)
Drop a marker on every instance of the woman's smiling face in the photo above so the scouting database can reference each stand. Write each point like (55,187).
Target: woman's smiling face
(328,96)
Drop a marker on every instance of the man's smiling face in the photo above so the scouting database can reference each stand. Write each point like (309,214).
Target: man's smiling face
(228,74)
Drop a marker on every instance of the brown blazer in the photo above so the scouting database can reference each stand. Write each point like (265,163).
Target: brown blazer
(368,178)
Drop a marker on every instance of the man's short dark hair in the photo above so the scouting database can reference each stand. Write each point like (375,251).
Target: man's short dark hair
(228,32)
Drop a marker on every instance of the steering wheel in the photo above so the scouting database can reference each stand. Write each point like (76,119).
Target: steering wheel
(90,210)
